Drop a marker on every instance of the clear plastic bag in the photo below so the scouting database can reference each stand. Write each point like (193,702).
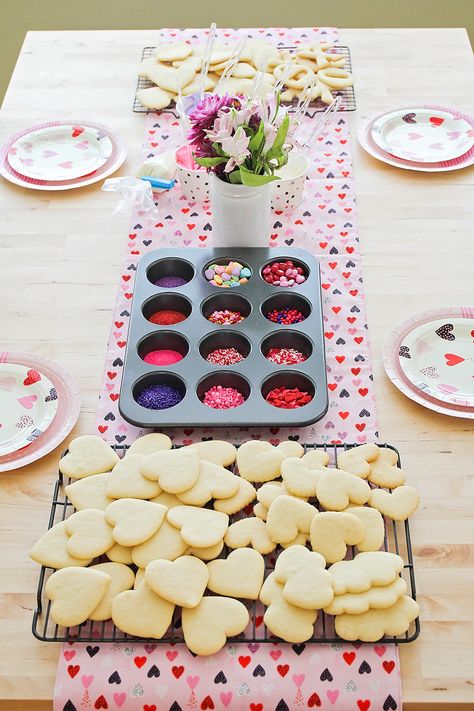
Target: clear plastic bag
(134,194)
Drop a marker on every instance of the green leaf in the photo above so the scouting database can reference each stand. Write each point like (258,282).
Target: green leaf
(209,162)
(235,177)
(279,138)
(252,180)
(257,140)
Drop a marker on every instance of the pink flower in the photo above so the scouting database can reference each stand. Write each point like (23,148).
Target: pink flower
(203,117)
(236,147)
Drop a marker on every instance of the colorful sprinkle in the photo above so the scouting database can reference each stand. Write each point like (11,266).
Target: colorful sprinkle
(285,316)
(167,317)
(221,398)
(225,356)
(163,357)
(159,397)
(226,318)
(285,356)
(288,398)
(284,274)
(227,275)
(170,282)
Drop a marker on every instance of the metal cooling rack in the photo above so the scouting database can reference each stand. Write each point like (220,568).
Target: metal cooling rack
(348,102)
(397,540)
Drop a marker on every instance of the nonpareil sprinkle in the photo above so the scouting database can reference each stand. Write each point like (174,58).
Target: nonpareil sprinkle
(225,356)
(288,398)
(285,356)
(285,316)
(226,317)
(167,317)
(221,398)
(170,282)
(159,397)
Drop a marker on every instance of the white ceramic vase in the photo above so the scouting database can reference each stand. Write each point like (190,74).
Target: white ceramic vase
(240,214)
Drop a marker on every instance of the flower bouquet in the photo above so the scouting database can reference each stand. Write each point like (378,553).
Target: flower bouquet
(243,142)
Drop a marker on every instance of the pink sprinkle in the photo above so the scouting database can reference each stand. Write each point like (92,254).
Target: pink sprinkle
(221,398)
(285,356)
(225,356)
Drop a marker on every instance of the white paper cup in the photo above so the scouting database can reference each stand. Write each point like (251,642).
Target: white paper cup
(195,183)
(287,193)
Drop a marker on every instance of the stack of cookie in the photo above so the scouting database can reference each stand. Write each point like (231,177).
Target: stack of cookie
(166,513)
(175,69)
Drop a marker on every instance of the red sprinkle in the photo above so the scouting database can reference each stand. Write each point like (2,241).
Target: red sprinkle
(225,356)
(167,317)
(288,398)
(285,316)
(163,357)
(223,398)
(285,356)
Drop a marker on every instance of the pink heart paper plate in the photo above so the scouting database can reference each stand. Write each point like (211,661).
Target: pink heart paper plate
(428,337)
(28,404)
(367,142)
(113,162)
(63,396)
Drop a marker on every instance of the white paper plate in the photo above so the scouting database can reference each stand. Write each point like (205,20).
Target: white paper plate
(60,152)
(423,135)
(28,404)
(438,357)
(391,360)
(369,145)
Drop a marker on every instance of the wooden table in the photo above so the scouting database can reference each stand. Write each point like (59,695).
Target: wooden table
(60,257)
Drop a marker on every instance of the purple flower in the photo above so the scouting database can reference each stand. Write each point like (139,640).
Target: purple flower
(204,115)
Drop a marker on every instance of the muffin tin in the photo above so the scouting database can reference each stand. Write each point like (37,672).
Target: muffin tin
(196,336)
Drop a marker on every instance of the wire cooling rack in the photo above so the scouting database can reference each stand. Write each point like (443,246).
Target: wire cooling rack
(348,102)
(397,540)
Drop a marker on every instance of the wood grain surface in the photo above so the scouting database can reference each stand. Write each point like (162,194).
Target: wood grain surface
(60,255)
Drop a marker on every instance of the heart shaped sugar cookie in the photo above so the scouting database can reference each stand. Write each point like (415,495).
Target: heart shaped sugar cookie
(397,505)
(331,533)
(139,578)
(208,553)
(287,517)
(168,52)
(260,511)
(299,479)
(291,448)
(141,612)
(365,571)
(214,482)
(171,78)
(200,528)
(374,624)
(87,455)
(316,459)
(250,531)
(75,594)
(374,527)
(384,470)
(336,489)
(122,578)
(181,582)
(89,493)
(166,544)
(259,461)
(120,554)
(306,583)
(168,500)
(150,443)
(207,626)
(356,460)
(127,481)
(267,493)
(216,451)
(50,550)
(89,534)
(300,540)
(291,623)
(377,598)
(134,521)
(244,495)
(176,470)
(238,575)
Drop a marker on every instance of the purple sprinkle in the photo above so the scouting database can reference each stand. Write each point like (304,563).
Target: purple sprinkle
(170,282)
(159,397)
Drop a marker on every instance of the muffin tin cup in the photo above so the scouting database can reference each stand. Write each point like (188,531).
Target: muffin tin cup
(255,331)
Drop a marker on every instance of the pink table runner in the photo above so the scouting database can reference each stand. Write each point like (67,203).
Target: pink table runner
(263,677)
